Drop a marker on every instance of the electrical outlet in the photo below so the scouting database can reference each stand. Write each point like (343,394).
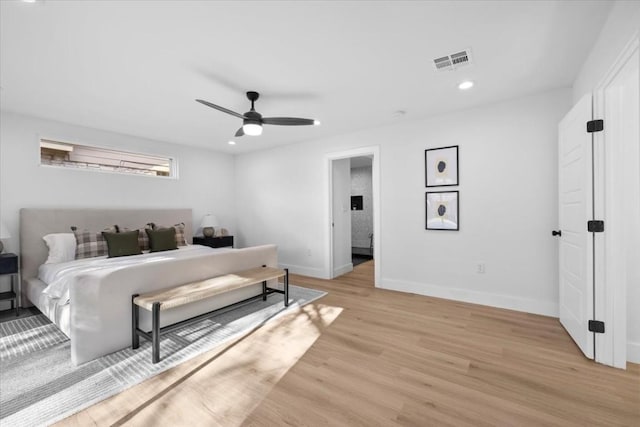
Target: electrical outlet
(480,268)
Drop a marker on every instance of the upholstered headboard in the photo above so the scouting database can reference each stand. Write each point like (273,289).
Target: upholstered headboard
(35,223)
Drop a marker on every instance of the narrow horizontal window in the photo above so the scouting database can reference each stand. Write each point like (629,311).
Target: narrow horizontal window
(77,156)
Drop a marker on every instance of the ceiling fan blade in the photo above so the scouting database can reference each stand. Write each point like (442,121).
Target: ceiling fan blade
(240,132)
(287,121)
(219,108)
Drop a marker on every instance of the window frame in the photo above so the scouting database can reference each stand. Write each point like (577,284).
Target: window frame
(173,160)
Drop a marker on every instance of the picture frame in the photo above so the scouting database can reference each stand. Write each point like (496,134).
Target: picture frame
(441,166)
(442,209)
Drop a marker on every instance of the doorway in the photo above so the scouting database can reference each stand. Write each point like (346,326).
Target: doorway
(361,210)
(353,222)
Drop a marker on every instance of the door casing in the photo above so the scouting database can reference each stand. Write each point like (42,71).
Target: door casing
(375,178)
(616,170)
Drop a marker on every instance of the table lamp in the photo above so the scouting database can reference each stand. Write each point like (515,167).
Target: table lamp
(208,224)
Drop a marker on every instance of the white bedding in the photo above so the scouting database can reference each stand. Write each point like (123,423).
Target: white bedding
(59,276)
(95,304)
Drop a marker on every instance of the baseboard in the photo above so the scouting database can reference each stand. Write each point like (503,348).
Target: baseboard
(633,352)
(493,300)
(343,270)
(305,271)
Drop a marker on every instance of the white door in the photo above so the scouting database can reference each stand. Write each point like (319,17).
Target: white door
(576,208)
(341,217)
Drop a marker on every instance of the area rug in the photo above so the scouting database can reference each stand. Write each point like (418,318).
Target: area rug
(39,385)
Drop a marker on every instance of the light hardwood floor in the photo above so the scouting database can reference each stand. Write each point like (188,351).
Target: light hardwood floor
(365,356)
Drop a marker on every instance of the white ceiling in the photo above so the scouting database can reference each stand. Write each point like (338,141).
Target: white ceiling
(136,67)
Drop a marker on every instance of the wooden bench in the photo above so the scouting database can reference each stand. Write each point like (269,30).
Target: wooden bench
(155,302)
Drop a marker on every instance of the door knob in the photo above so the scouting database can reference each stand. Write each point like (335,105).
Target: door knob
(556,233)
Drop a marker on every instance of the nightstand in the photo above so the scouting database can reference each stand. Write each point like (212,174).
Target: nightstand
(214,242)
(9,267)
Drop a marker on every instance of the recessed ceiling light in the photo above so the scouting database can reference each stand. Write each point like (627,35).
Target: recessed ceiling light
(467,84)
(232,143)
(29,1)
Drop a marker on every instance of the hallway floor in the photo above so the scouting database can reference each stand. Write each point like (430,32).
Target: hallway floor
(360,255)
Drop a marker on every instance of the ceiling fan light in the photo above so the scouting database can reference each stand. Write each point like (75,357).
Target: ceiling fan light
(253,129)
(316,122)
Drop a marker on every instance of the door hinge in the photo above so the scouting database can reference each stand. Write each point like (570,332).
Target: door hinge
(595,125)
(596,326)
(595,226)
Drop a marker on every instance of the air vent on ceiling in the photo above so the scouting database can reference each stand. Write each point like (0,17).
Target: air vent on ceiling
(453,61)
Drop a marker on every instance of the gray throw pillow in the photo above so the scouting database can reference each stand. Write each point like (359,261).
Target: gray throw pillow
(180,239)
(162,239)
(122,244)
(143,239)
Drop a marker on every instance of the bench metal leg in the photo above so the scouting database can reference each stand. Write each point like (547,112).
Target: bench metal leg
(286,287)
(264,287)
(135,316)
(155,332)
(14,302)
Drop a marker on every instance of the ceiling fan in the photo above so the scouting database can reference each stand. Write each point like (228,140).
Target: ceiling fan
(252,121)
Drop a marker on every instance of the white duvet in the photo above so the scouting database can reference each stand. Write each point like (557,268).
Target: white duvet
(98,291)
(59,276)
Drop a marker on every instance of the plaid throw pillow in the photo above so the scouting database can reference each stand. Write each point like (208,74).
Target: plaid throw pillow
(90,244)
(180,234)
(143,238)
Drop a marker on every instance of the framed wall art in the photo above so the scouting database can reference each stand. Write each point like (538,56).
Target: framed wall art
(441,166)
(443,209)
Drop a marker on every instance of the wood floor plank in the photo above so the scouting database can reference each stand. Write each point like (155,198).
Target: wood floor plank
(451,363)
(363,356)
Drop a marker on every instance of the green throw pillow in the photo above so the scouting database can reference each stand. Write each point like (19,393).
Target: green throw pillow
(162,239)
(122,244)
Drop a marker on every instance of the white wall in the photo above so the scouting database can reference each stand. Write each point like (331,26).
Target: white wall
(508,203)
(205,183)
(362,221)
(621,25)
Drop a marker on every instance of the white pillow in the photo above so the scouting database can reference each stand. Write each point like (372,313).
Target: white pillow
(62,247)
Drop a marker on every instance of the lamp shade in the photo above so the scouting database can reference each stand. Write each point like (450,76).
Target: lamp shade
(209,221)
(4,231)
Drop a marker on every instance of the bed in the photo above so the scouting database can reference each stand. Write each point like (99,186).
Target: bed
(93,306)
